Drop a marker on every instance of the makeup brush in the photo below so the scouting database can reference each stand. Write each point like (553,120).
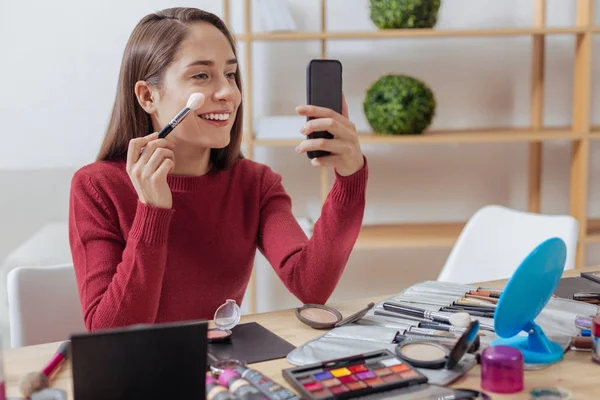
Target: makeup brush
(39,380)
(470,312)
(459,319)
(195,101)
(486,293)
(493,300)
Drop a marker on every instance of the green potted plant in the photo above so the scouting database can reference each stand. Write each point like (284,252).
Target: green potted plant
(399,105)
(404,14)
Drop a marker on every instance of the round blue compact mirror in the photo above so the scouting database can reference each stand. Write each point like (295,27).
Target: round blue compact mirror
(525,295)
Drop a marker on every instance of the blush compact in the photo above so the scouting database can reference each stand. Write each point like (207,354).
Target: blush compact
(432,355)
(226,318)
(322,317)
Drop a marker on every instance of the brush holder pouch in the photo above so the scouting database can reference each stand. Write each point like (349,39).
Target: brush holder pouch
(374,332)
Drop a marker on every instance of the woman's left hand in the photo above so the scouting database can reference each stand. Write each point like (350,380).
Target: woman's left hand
(346,156)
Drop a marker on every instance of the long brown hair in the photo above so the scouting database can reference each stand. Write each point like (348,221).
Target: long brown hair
(152,46)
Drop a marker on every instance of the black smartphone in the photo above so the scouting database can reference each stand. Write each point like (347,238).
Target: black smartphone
(324,89)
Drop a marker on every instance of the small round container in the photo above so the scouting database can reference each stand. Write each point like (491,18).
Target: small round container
(319,316)
(226,318)
(502,369)
(219,366)
(596,339)
(433,355)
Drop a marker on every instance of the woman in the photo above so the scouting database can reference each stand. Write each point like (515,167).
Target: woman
(166,230)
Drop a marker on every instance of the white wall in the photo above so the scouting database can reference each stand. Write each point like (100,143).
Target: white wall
(60,63)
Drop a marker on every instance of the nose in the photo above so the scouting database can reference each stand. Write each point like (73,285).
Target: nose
(224,91)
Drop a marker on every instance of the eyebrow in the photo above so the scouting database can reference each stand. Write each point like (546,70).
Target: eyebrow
(231,61)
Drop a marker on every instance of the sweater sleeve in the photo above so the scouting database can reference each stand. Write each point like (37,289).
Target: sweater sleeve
(311,268)
(119,279)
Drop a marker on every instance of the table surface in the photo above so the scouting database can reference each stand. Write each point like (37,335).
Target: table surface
(576,372)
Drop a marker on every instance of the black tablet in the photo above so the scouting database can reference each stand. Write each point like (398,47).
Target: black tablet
(162,361)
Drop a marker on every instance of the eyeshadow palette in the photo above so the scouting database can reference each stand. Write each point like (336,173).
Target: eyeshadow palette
(354,376)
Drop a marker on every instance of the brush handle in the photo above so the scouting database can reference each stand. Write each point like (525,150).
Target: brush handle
(442,327)
(404,309)
(174,122)
(165,131)
(395,314)
(60,355)
(471,312)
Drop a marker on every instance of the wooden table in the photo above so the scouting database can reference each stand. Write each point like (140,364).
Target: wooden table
(576,372)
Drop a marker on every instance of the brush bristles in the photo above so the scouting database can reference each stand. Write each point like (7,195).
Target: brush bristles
(33,382)
(461,320)
(195,101)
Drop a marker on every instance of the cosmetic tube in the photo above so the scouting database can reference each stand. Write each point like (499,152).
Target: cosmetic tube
(266,385)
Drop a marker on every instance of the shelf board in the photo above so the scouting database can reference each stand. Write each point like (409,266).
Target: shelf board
(450,136)
(593,229)
(419,235)
(409,235)
(398,33)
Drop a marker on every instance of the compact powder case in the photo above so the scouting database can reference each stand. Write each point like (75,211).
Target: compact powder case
(226,318)
(429,354)
(322,317)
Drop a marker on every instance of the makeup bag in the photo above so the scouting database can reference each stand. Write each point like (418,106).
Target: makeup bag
(374,332)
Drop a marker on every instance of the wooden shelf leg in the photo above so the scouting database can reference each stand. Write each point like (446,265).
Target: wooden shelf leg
(537,108)
(581,124)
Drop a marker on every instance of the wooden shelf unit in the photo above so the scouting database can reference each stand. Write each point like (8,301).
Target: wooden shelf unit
(593,235)
(409,33)
(485,135)
(580,132)
(410,235)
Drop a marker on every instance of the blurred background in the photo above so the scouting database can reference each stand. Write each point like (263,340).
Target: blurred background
(60,62)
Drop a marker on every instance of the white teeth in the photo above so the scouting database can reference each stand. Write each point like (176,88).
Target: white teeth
(218,117)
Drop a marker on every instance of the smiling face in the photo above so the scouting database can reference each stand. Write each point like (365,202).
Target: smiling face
(205,63)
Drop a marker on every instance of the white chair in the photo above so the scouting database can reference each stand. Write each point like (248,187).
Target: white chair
(43,304)
(496,239)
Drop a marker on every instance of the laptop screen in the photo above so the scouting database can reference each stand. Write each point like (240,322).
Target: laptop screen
(141,362)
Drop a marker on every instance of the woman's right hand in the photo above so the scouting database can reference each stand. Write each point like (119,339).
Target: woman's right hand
(148,169)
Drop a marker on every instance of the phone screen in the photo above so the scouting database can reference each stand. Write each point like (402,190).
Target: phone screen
(325,84)
(324,89)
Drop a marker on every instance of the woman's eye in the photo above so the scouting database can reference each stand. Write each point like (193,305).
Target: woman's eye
(231,75)
(200,76)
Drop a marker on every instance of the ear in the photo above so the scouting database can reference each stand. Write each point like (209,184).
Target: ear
(144,93)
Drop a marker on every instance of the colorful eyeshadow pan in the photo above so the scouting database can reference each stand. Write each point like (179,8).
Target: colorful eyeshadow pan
(339,389)
(312,386)
(321,393)
(356,385)
(391,378)
(374,382)
(400,368)
(365,375)
(331,382)
(358,368)
(348,379)
(357,376)
(383,372)
(341,372)
(391,361)
(409,374)
(323,375)
(305,379)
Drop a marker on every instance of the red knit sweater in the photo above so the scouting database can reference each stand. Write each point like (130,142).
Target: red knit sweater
(140,264)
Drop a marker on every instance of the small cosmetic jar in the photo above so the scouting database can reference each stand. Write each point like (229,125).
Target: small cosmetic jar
(502,369)
(596,339)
